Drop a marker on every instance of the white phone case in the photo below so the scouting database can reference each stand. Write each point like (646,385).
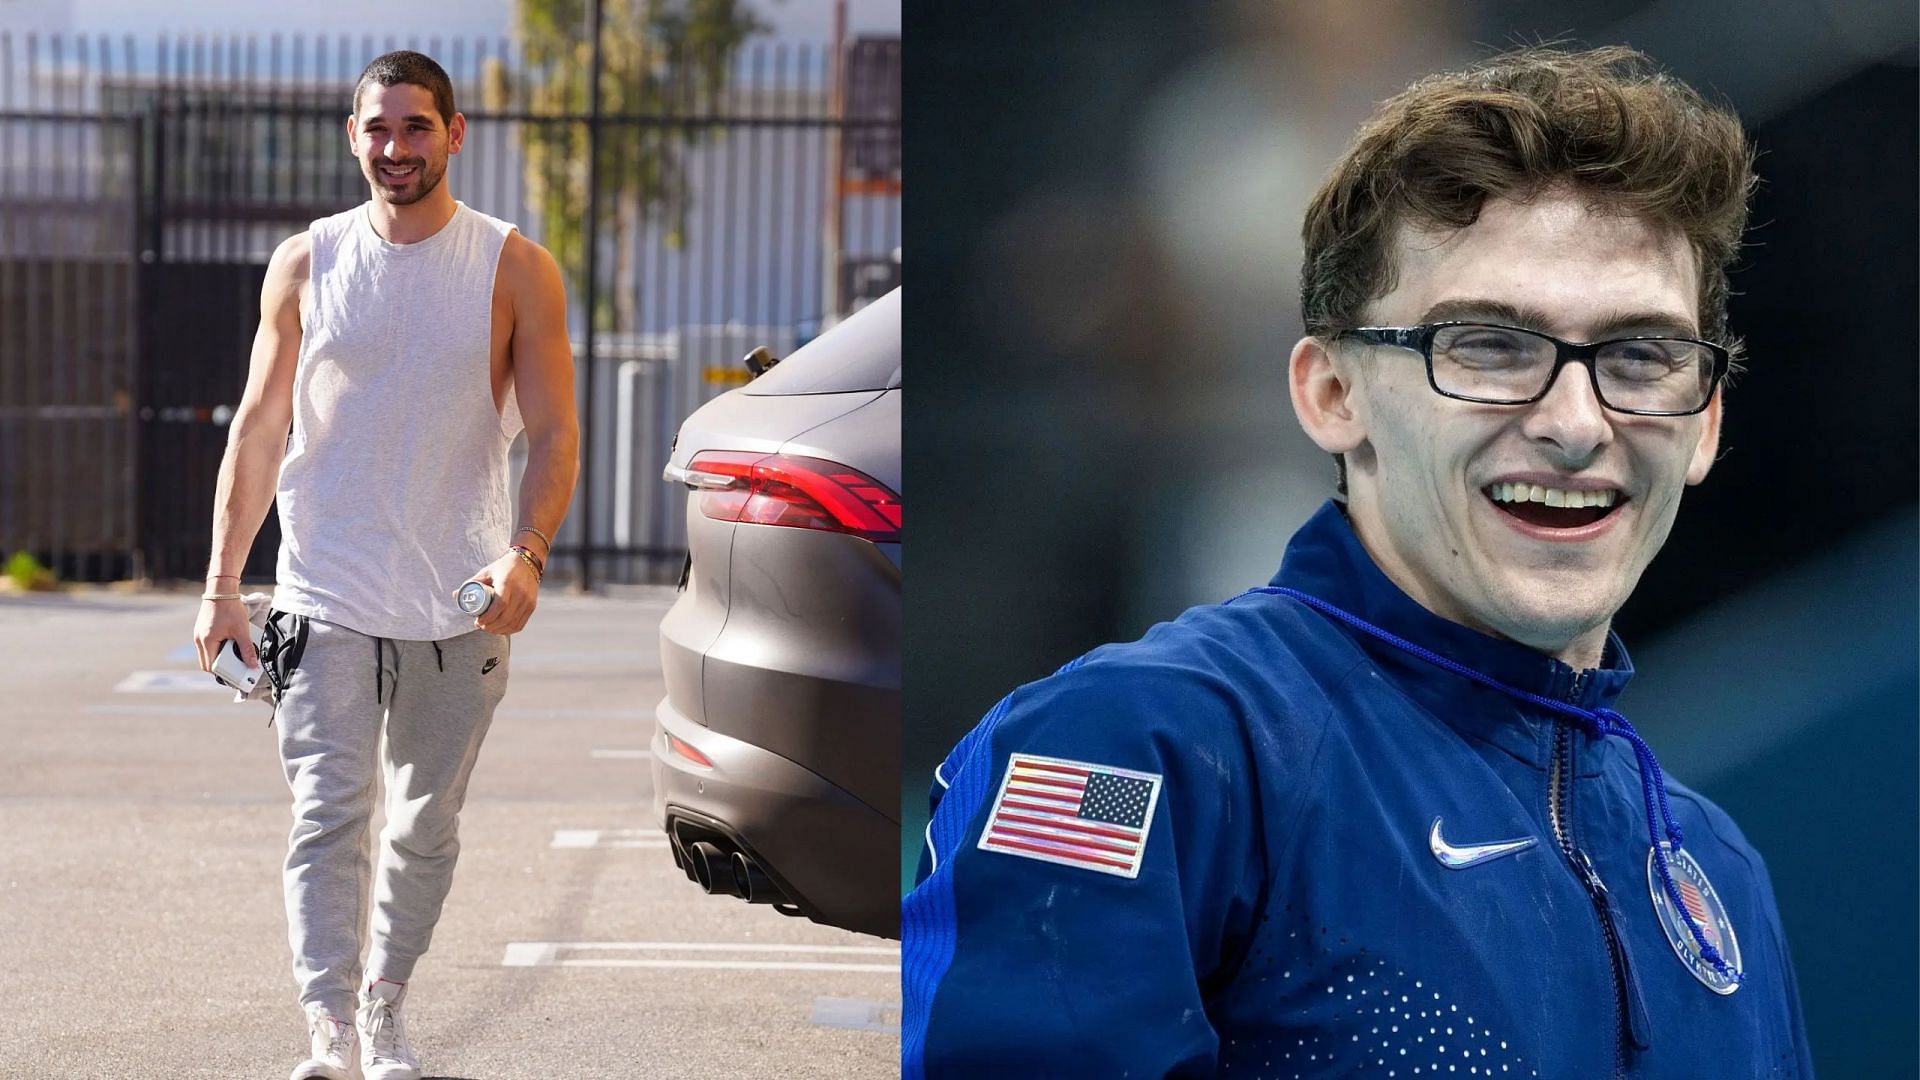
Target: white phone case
(230,669)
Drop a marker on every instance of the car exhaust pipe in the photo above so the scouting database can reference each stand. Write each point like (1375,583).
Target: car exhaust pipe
(712,870)
(755,886)
(681,860)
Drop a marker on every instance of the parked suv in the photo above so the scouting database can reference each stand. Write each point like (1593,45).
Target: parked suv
(776,752)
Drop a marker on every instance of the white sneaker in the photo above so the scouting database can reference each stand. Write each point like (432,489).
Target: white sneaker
(385,1052)
(335,1050)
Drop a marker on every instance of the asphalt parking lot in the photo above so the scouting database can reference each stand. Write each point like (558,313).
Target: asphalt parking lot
(143,819)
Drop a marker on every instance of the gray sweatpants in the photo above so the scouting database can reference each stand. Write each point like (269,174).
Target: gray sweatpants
(435,701)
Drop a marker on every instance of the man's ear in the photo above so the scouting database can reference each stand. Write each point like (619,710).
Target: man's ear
(1705,450)
(1323,397)
(456,133)
(351,137)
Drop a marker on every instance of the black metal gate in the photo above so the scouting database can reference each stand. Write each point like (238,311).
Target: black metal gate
(194,355)
(68,342)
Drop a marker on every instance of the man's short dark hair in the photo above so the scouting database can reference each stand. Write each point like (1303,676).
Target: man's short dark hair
(1606,122)
(407,66)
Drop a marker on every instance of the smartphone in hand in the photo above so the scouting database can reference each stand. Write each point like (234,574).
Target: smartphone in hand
(233,671)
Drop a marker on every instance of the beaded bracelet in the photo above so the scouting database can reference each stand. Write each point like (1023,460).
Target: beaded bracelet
(538,562)
(544,538)
(526,556)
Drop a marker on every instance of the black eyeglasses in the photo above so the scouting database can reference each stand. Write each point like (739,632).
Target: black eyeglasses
(1506,365)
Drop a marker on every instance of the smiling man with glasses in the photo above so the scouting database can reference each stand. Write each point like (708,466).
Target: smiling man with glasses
(1380,816)
(1494,364)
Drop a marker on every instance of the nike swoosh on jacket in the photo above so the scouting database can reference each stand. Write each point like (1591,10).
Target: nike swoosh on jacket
(1289,917)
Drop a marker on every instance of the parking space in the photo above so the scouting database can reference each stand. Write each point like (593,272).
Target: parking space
(143,819)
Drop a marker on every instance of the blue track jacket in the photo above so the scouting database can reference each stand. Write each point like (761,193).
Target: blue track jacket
(1221,850)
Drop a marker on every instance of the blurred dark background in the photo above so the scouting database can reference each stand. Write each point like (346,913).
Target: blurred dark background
(1107,249)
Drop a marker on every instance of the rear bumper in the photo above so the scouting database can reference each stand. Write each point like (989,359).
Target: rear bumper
(808,663)
(833,855)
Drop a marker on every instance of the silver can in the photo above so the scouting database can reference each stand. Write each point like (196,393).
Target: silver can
(474,598)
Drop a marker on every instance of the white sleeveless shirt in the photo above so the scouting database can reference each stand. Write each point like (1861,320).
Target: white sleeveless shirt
(393,490)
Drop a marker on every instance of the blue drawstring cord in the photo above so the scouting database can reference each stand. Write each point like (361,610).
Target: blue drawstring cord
(1601,722)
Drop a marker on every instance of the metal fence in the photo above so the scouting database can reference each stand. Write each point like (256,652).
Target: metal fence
(143,186)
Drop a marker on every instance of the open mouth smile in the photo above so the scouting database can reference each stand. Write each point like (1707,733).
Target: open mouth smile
(398,175)
(1556,513)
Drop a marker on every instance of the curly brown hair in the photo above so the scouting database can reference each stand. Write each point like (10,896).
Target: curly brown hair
(1607,122)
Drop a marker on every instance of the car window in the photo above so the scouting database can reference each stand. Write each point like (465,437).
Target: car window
(861,353)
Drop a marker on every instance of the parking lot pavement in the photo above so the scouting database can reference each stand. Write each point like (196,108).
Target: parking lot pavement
(143,819)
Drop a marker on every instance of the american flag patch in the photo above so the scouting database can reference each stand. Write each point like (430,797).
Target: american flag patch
(1697,907)
(1073,813)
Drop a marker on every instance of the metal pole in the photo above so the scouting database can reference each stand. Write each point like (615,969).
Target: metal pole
(136,328)
(147,537)
(590,237)
(836,163)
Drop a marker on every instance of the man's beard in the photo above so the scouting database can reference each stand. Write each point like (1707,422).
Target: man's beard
(428,178)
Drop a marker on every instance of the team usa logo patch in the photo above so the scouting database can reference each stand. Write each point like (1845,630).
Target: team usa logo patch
(1073,813)
(1696,892)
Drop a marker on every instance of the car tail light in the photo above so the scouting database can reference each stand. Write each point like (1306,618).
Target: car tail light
(797,492)
(686,750)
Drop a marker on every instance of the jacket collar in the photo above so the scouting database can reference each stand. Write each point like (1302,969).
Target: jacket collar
(1325,559)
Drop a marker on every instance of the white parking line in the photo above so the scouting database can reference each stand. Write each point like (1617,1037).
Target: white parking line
(729,965)
(609,838)
(145,709)
(551,947)
(563,954)
(857,1014)
(621,755)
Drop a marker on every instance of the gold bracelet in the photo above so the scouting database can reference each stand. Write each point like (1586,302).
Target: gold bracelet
(538,573)
(222,596)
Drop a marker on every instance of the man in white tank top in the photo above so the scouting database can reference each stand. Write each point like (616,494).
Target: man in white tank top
(402,345)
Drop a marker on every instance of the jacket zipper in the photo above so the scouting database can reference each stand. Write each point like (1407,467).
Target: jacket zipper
(1559,776)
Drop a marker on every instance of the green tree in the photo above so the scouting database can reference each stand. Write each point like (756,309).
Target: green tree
(661,58)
